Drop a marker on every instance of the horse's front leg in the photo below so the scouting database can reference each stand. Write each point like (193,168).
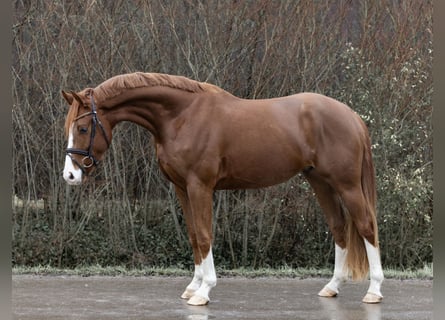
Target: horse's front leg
(204,280)
(196,203)
(187,212)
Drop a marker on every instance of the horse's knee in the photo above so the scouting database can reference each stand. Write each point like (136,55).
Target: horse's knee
(204,248)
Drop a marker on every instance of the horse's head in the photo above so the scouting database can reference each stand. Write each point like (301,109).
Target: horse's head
(89,135)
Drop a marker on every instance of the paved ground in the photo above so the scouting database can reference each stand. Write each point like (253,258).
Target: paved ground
(72,297)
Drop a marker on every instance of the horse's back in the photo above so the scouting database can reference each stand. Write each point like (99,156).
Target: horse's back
(264,142)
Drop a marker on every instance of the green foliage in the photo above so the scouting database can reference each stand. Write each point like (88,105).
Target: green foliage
(375,56)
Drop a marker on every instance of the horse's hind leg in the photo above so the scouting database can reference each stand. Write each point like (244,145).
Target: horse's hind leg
(362,220)
(374,294)
(331,206)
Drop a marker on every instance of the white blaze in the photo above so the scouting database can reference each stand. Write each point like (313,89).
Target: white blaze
(71,174)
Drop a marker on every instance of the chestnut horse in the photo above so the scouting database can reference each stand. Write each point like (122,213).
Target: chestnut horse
(207,139)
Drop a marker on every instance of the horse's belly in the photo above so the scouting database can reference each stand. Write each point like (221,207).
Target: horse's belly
(260,173)
(232,183)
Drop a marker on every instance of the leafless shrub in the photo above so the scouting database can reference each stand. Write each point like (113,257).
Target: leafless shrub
(374,55)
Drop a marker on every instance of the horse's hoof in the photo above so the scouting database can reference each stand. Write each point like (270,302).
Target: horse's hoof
(326,292)
(372,298)
(198,301)
(187,294)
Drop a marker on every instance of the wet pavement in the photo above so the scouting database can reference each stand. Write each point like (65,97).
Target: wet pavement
(100,297)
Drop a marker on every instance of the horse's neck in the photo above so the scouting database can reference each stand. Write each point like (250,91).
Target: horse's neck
(151,108)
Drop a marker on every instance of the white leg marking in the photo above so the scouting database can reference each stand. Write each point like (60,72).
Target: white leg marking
(340,274)
(201,296)
(71,174)
(376,274)
(195,284)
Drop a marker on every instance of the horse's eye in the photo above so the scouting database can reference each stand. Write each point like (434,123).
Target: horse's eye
(83,129)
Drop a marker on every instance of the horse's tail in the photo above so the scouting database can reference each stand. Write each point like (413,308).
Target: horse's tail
(357,259)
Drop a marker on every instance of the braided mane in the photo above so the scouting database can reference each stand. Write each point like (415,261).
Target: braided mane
(116,85)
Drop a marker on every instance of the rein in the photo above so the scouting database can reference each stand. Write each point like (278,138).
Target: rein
(88,160)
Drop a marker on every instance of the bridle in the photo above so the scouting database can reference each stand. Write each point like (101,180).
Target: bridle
(88,160)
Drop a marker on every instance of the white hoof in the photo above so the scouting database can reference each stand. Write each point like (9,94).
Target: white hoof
(188,294)
(327,293)
(198,301)
(372,298)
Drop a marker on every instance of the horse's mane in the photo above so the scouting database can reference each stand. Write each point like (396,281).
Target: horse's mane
(117,84)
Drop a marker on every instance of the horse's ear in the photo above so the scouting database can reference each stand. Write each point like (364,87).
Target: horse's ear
(77,97)
(88,92)
(68,97)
